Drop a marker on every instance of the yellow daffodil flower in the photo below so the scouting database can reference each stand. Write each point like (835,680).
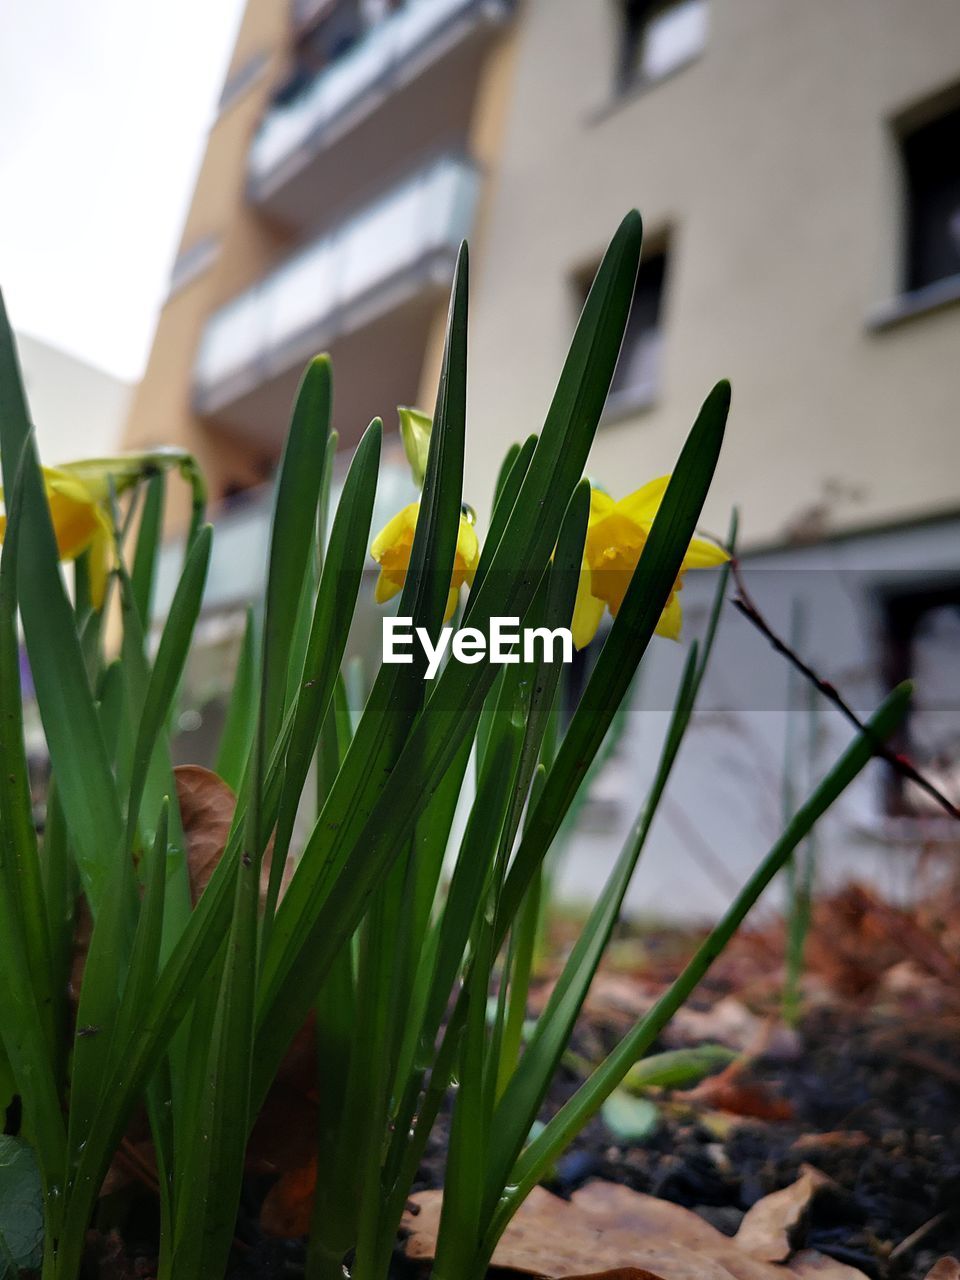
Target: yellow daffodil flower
(616,534)
(78,509)
(78,494)
(392,546)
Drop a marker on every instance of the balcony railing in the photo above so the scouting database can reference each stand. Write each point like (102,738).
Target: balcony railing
(395,248)
(237,574)
(391,53)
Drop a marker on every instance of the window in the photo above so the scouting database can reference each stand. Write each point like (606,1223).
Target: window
(931,157)
(636,379)
(924,646)
(657,37)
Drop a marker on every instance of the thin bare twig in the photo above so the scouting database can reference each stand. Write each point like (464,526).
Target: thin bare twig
(897,760)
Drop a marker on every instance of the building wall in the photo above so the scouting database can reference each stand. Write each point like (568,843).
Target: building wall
(771,163)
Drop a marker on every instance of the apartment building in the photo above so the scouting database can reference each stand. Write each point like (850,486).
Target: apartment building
(798,169)
(346,163)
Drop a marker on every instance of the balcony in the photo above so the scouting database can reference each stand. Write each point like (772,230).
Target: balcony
(426,53)
(368,289)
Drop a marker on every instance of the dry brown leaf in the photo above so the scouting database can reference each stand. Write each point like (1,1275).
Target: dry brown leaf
(768,1229)
(620,1273)
(605,1229)
(947,1268)
(206,808)
(843,1139)
(286,1209)
(812,1265)
(737,1096)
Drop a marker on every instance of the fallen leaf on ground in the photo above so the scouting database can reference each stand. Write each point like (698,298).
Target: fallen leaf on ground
(741,1097)
(812,1265)
(843,1139)
(286,1209)
(605,1230)
(946,1269)
(769,1227)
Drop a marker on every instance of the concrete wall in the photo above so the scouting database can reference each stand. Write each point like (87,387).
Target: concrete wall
(724,803)
(770,162)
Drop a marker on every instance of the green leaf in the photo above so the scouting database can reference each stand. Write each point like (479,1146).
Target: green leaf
(390,807)
(239,725)
(21,1209)
(70,722)
(294,525)
(632,630)
(590,1096)
(677,1068)
(332,615)
(630,1119)
(373,753)
(144,571)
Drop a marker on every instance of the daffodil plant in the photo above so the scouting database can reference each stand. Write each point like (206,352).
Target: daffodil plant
(418,987)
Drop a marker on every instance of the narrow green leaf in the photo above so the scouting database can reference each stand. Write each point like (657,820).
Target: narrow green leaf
(144,572)
(240,722)
(294,525)
(586,1101)
(72,729)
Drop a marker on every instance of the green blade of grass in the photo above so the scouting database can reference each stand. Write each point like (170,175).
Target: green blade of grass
(22,880)
(632,630)
(70,722)
(516,567)
(239,725)
(332,615)
(25,974)
(294,525)
(393,704)
(585,1102)
(167,671)
(144,572)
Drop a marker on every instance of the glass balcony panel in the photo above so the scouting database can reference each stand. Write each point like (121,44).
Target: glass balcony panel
(367,68)
(405,235)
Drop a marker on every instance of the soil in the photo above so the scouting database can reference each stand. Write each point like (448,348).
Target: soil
(864,1111)
(867,1090)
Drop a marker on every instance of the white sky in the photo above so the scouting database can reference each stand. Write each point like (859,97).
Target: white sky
(105,106)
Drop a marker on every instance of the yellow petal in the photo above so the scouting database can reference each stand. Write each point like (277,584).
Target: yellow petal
(401,526)
(643,504)
(3,526)
(601,504)
(385,589)
(587,612)
(671,620)
(702,554)
(453,596)
(468,546)
(76,519)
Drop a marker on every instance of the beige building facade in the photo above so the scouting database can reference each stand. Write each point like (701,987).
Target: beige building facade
(767,159)
(797,166)
(347,160)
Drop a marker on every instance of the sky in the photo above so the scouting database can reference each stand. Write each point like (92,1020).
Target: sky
(105,107)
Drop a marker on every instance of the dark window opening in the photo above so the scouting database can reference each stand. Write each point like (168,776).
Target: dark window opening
(636,379)
(923,634)
(657,37)
(931,158)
